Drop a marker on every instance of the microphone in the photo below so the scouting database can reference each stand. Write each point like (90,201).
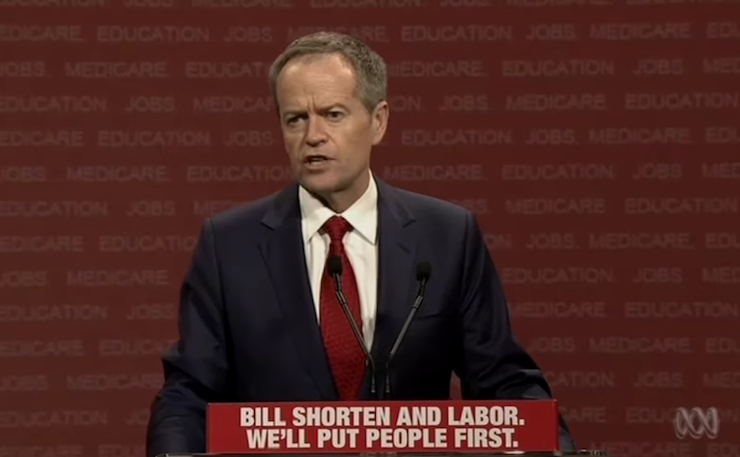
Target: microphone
(423,272)
(335,269)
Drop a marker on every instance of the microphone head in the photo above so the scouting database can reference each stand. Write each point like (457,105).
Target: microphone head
(423,271)
(335,265)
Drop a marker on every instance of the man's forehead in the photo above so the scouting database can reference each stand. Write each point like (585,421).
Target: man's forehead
(314,65)
(324,85)
(319,102)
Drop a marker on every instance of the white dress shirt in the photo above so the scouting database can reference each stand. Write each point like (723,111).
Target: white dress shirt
(360,243)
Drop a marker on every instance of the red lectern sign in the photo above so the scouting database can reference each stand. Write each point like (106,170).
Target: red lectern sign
(361,427)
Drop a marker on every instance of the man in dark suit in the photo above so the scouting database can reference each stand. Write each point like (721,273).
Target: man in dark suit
(259,319)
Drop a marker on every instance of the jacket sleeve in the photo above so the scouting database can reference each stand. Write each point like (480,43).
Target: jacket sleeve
(196,368)
(492,364)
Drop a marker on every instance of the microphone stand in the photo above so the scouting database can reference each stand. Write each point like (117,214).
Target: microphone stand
(402,335)
(336,271)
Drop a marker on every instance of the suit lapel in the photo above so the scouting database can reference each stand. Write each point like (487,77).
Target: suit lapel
(396,278)
(284,255)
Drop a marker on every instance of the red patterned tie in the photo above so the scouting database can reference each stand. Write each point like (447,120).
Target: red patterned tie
(346,358)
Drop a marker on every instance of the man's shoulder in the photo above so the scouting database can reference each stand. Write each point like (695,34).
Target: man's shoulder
(241,216)
(426,206)
(421,206)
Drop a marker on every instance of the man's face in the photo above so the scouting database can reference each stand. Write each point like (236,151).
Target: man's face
(328,132)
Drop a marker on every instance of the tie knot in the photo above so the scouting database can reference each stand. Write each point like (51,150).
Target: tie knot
(336,227)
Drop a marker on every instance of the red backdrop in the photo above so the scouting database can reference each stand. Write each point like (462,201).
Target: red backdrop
(597,141)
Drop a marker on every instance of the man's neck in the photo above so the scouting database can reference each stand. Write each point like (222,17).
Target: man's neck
(340,202)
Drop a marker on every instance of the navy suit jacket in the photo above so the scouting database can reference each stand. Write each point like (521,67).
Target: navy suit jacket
(248,327)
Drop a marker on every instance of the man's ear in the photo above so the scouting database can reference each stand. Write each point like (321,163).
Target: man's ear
(380,121)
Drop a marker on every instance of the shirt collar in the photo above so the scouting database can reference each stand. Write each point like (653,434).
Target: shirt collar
(362,215)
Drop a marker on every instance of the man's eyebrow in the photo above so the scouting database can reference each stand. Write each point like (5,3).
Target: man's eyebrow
(337,105)
(295,111)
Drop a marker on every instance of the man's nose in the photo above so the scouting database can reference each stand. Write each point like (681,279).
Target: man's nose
(315,133)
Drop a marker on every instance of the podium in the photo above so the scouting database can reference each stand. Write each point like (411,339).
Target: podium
(579,453)
(529,428)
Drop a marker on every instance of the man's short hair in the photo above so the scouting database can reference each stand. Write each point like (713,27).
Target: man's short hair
(369,67)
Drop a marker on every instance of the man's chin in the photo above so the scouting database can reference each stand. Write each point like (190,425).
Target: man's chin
(320,182)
